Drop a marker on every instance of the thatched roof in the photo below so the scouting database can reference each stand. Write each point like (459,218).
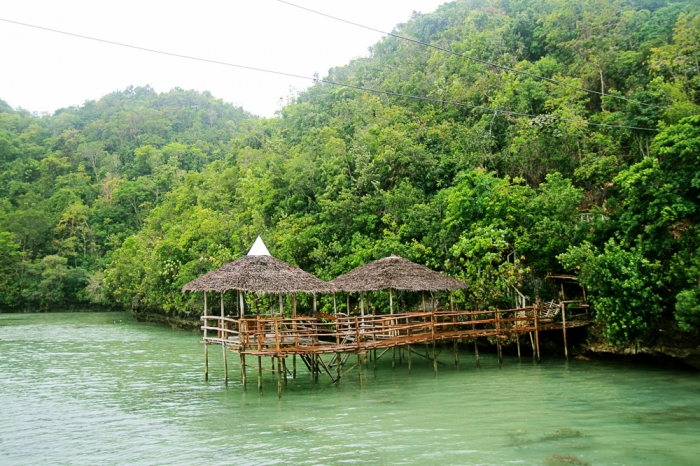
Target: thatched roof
(259,272)
(395,273)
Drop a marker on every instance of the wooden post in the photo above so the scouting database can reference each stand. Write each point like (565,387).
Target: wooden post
(281,305)
(359,368)
(314,303)
(498,338)
(409,358)
(422,293)
(260,375)
(242,327)
(537,332)
(434,359)
(241,304)
(347,296)
(476,345)
(517,340)
(335,307)
(206,345)
(258,337)
(454,328)
(223,339)
(279,377)
(433,320)
(284,370)
(362,304)
(563,326)
(296,335)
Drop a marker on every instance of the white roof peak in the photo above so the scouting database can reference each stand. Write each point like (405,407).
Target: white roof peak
(258,248)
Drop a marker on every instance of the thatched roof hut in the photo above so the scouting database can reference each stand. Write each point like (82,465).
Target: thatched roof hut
(395,273)
(259,272)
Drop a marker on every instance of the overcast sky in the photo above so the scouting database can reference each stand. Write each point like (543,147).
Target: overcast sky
(44,71)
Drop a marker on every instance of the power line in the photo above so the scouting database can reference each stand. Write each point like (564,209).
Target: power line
(478,60)
(319,80)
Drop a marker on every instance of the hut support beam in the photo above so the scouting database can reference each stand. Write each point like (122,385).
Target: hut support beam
(260,375)
(223,337)
(563,327)
(206,346)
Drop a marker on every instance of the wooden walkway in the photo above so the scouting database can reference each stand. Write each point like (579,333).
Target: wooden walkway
(340,336)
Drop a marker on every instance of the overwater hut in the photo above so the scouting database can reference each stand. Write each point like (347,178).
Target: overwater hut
(257,272)
(395,273)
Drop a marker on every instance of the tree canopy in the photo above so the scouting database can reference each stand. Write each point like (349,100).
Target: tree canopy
(136,194)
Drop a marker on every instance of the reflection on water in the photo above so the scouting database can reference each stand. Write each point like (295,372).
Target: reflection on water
(100,388)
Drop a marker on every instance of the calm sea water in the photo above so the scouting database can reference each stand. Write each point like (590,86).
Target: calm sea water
(102,389)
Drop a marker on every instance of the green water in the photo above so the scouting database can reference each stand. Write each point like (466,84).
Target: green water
(102,389)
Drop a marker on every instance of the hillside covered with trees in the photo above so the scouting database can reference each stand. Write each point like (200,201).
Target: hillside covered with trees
(128,198)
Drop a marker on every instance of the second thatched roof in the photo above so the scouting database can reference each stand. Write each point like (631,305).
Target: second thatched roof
(259,274)
(395,273)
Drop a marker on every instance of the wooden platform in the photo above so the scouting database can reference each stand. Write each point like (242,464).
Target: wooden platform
(341,335)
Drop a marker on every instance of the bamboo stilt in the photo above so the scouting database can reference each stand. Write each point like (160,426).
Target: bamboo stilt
(223,338)
(537,332)
(338,366)
(279,378)
(206,346)
(409,359)
(294,366)
(260,375)
(434,360)
(498,338)
(563,327)
(244,377)
(456,350)
(284,370)
(359,368)
(206,362)
(517,340)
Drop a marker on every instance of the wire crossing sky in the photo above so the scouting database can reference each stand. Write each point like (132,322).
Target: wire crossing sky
(43,71)
(495,111)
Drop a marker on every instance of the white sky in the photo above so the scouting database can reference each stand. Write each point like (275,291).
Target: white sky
(44,71)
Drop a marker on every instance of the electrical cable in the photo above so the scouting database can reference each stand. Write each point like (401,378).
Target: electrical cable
(320,80)
(478,60)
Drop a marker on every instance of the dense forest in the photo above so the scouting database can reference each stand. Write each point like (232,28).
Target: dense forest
(127,198)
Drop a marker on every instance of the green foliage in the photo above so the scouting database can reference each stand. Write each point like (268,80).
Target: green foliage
(138,193)
(624,288)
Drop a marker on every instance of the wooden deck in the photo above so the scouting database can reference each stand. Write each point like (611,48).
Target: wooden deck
(341,335)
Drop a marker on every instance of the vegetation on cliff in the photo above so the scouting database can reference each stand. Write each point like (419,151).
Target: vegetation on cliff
(136,194)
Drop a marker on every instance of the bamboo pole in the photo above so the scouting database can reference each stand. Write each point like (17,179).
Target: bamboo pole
(476,344)
(409,358)
(537,332)
(359,368)
(347,296)
(279,377)
(335,307)
(258,337)
(244,377)
(498,338)
(260,375)
(206,345)
(454,321)
(433,319)
(284,370)
(223,339)
(281,305)
(563,326)
(362,304)
(296,335)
